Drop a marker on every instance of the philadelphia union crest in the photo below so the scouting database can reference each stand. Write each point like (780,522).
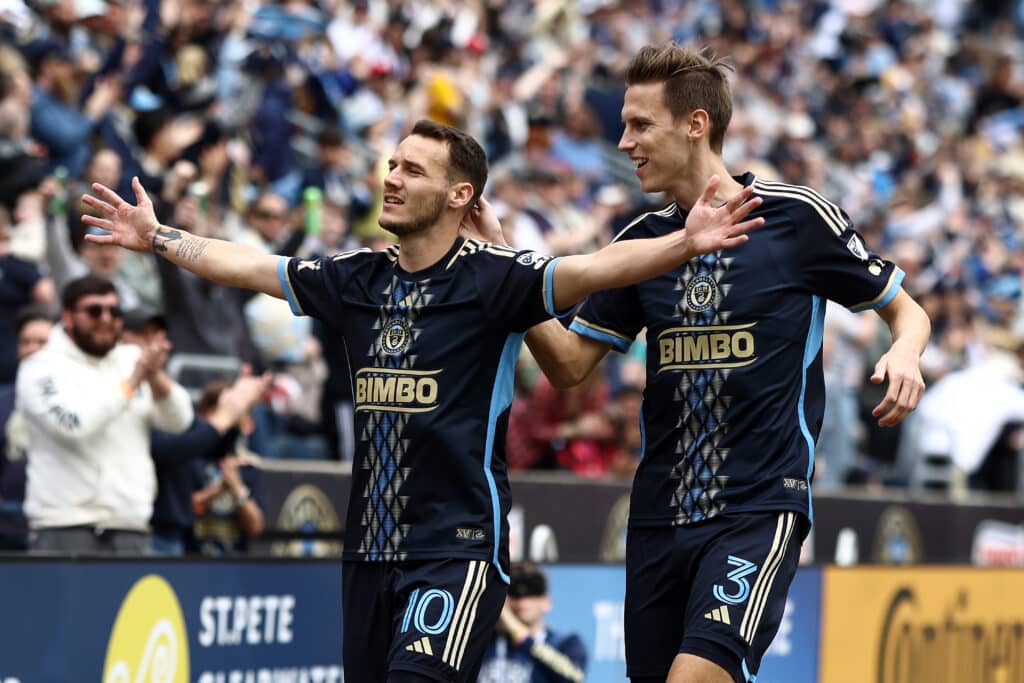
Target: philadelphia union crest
(700,293)
(395,337)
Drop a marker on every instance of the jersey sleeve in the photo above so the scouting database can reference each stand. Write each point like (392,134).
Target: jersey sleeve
(517,286)
(314,287)
(612,316)
(837,264)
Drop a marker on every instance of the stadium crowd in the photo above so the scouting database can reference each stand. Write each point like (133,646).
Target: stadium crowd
(271,124)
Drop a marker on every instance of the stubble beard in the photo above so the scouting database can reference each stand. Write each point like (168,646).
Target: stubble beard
(427,217)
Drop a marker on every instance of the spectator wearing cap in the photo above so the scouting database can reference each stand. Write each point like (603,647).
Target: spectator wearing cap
(55,120)
(89,402)
(524,648)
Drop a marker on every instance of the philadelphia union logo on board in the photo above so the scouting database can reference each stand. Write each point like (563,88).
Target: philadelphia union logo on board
(700,293)
(395,337)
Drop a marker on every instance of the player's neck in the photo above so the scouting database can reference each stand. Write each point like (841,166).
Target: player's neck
(425,248)
(695,179)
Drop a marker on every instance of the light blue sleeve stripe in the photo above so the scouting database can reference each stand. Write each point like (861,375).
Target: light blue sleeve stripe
(286,286)
(618,343)
(549,290)
(812,346)
(643,432)
(751,678)
(889,294)
(501,399)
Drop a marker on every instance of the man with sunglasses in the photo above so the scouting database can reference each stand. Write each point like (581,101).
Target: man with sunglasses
(88,403)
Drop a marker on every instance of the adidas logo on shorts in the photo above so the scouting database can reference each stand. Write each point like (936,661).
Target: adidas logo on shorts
(422,646)
(720,613)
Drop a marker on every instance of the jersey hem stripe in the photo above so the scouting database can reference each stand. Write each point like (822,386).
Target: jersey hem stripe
(601,334)
(892,288)
(286,286)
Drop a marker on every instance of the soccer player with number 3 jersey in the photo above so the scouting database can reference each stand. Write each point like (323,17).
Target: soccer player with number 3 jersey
(735,392)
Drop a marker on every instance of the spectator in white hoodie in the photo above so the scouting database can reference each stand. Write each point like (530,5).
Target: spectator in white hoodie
(88,403)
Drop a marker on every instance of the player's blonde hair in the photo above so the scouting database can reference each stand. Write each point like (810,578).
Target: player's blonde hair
(693,80)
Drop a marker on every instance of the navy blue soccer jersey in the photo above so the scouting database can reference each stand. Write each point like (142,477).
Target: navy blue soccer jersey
(432,355)
(735,392)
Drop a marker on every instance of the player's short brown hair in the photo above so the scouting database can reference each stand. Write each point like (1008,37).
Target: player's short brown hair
(467,161)
(693,80)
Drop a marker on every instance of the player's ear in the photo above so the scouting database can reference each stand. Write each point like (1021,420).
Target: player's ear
(460,195)
(698,125)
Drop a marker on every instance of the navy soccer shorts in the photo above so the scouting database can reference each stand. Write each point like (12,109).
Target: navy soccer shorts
(434,618)
(716,589)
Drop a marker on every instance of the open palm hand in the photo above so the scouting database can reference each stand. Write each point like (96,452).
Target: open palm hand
(130,226)
(710,228)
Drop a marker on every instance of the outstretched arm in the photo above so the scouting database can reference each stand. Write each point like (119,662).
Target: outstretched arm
(900,365)
(708,229)
(136,227)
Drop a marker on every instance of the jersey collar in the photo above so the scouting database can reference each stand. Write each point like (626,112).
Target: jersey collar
(435,268)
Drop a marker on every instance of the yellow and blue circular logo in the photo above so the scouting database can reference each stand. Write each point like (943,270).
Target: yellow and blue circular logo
(148,642)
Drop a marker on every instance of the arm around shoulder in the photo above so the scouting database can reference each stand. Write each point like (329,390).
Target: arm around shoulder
(564,356)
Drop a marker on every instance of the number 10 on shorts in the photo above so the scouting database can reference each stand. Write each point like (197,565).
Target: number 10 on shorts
(416,611)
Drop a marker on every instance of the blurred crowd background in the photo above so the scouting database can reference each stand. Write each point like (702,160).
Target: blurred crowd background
(271,123)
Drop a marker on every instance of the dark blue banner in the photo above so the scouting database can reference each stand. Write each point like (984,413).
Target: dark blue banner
(279,622)
(172,622)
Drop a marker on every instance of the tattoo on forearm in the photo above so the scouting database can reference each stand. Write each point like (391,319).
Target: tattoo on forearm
(163,236)
(191,249)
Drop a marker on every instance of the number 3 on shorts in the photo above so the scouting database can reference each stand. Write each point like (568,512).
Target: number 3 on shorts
(737,576)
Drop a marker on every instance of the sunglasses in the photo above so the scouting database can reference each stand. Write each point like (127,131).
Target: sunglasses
(261,213)
(97,311)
